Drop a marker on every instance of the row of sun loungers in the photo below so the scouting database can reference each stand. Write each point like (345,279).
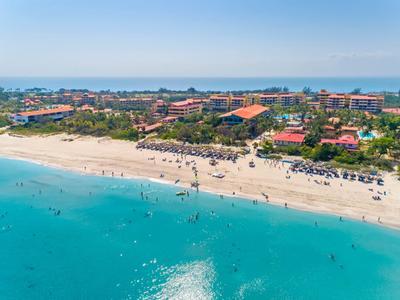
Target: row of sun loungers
(181,149)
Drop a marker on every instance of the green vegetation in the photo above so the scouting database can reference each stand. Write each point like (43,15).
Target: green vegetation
(4,121)
(392,100)
(85,123)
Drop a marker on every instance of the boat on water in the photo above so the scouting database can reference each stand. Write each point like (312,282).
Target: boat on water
(181,193)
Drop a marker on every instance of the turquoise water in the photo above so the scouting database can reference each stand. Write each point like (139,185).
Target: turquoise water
(335,84)
(366,135)
(109,243)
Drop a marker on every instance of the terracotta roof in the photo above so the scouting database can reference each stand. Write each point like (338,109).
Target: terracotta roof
(289,137)
(392,110)
(349,128)
(343,140)
(185,102)
(269,96)
(336,96)
(46,111)
(170,118)
(248,112)
(327,127)
(365,97)
(150,128)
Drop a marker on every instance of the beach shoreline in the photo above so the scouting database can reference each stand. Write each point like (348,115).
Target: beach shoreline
(92,156)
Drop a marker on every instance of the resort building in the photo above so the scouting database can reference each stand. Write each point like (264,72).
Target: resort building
(369,103)
(346,141)
(288,139)
(159,107)
(350,130)
(268,99)
(220,102)
(130,103)
(282,99)
(244,114)
(55,114)
(184,108)
(237,102)
(334,102)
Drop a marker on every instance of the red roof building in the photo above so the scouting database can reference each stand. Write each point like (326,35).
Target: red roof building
(395,111)
(244,114)
(287,139)
(346,141)
(56,114)
(185,108)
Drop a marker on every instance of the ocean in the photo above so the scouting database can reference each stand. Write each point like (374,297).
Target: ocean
(107,242)
(334,84)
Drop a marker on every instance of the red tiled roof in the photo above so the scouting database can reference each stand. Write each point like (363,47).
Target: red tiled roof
(336,96)
(185,102)
(248,112)
(343,140)
(152,127)
(269,96)
(364,97)
(395,111)
(349,128)
(289,137)
(46,111)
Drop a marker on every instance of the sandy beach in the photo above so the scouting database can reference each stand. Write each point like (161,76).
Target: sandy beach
(94,155)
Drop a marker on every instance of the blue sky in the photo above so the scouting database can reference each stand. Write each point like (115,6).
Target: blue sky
(199,38)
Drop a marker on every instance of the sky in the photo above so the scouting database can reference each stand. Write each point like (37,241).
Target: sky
(202,38)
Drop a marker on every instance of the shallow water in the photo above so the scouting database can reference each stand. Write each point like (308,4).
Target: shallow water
(109,243)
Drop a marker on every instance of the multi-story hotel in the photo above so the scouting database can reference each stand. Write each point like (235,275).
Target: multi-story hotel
(283,99)
(237,102)
(268,99)
(220,102)
(130,103)
(369,103)
(184,108)
(335,101)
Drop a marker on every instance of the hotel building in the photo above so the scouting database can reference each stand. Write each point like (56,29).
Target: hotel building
(184,108)
(55,114)
(130,103)
(369,103)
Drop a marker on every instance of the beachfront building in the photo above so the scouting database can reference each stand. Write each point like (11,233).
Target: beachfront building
(184,108)
(288,139)
(136,103)
(55,114)
(244,115)
(368,103)
(219,102)
(346,141)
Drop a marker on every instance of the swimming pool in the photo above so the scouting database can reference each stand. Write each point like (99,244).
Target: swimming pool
(366,135)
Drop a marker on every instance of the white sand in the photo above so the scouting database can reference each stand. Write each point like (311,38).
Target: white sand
(352,199)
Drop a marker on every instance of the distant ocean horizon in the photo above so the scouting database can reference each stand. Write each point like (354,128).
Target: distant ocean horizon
(223,84)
